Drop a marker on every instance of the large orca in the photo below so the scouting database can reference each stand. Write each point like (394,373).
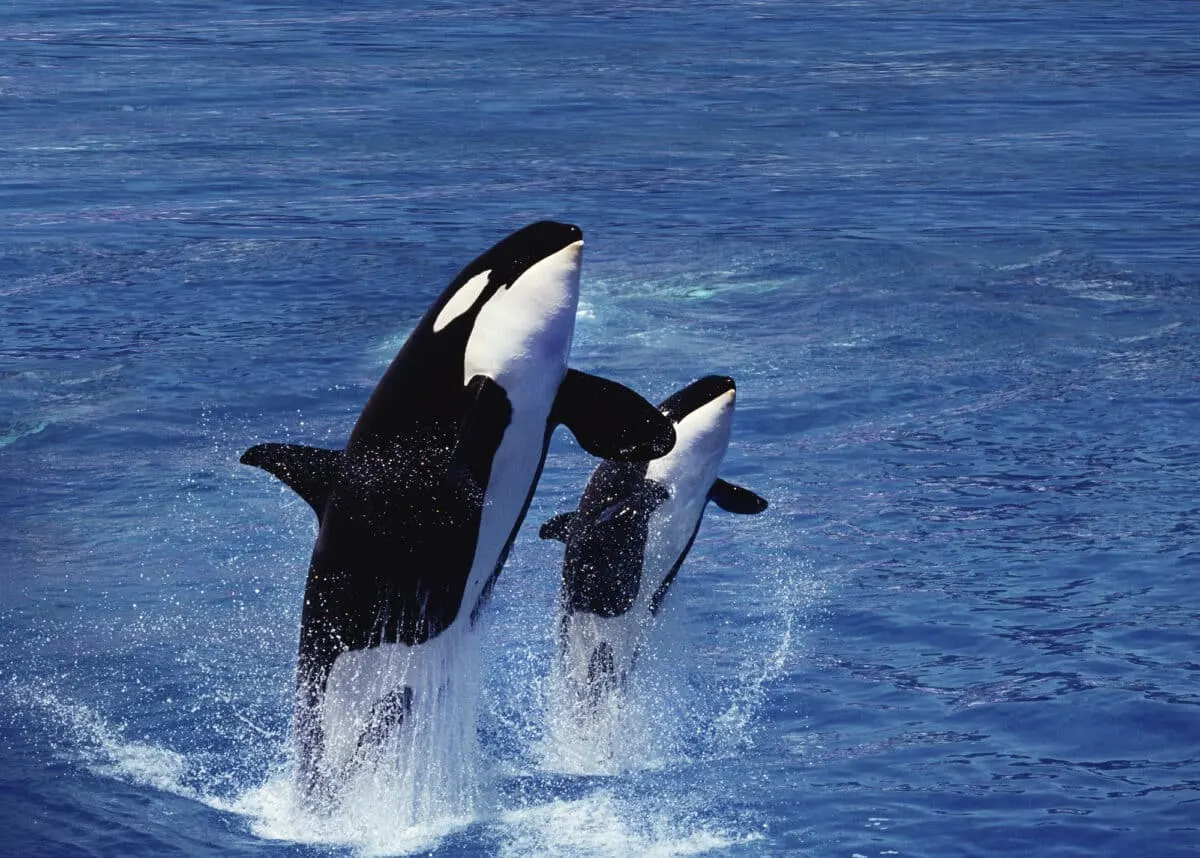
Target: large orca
(418,513)
(634,527)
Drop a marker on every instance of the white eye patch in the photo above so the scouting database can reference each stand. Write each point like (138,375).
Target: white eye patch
(462,300)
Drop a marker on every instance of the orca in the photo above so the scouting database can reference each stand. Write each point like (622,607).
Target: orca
(635,525)
(417,514)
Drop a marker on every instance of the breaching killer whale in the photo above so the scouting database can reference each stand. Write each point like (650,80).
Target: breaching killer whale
(634,527)
(418,513)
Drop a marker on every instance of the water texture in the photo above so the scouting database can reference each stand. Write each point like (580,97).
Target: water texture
(949,251)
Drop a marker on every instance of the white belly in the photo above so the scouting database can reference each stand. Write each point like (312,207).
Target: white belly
(514,468)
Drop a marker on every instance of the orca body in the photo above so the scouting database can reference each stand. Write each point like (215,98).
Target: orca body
(418,513)
(634,527)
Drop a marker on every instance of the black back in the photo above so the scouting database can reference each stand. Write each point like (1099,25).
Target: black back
(606,542)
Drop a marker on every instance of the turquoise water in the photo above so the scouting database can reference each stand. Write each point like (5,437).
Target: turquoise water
(948,251)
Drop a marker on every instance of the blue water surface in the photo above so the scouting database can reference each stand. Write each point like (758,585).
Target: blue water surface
(948,250)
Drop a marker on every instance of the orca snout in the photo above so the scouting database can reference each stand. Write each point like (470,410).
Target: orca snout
(542,240)
(699,394)
(547,258)
(713,387)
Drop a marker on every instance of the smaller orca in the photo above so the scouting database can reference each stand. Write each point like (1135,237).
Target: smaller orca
(635,524)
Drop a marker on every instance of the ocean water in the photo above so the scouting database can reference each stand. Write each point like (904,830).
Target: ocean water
(949,251)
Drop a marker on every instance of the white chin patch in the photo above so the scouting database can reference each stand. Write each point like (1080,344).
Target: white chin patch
(462,300)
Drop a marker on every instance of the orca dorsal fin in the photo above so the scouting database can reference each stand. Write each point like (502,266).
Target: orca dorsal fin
(611,421)
(736,499)
(557,527)
(309,471)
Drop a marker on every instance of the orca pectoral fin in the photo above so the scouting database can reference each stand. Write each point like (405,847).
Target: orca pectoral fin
(641,503)
(736,499)
(557,527)
(485,417)
(611,421)
(309,471)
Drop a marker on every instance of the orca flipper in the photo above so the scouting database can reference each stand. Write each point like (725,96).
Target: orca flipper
(485,417)
(557,527)
(309,471)
(643,501)
(611,421)
(736,499)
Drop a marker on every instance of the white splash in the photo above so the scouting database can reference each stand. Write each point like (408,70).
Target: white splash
(419,784)
(406,803)
(103,747)
(276,811)
(628,729)
(423,783)
(600,825)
